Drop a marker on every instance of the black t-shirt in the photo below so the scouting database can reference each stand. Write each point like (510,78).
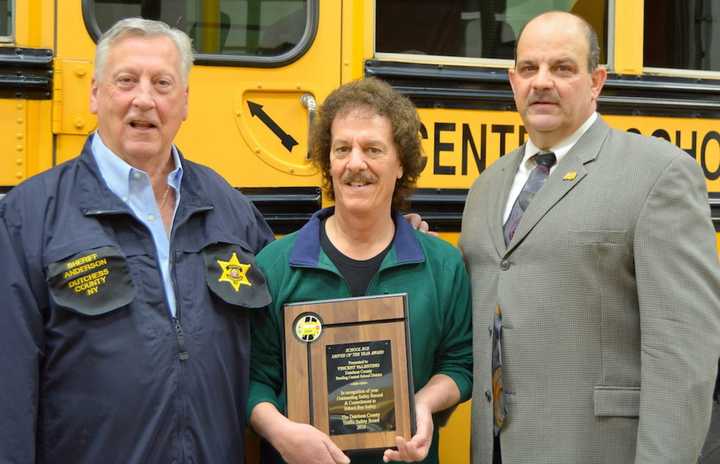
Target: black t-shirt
(357,273)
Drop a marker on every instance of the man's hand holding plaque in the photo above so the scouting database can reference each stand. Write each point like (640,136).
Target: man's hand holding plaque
(439,394)
(299,443)
(418,446)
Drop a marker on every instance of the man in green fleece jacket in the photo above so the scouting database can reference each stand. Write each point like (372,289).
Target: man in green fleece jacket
(366,143)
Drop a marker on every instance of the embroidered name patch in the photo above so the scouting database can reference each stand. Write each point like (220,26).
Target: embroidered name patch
(91,282)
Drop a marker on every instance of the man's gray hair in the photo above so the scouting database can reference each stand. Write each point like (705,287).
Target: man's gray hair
(139,27)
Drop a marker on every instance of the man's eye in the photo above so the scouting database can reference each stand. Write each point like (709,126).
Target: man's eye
(527,69)
(164,83)
(374,150)
(124,81)
(341,151)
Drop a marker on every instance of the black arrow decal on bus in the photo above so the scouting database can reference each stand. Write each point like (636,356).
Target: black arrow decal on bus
(286,139)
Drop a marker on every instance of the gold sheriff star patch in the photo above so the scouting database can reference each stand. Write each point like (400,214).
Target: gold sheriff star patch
(234,272)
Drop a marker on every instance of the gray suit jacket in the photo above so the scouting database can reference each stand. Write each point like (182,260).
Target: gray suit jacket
(610,292)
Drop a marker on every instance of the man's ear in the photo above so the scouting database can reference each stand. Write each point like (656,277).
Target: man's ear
(598,77)
(185,106)
(93,96)
(511,78)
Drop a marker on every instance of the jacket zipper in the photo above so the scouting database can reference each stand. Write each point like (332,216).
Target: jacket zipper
(182,351)
(183,354)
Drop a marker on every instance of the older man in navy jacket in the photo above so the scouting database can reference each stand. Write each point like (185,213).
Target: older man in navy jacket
(127,277)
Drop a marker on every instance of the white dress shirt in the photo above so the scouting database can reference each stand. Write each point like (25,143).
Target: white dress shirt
(528,164)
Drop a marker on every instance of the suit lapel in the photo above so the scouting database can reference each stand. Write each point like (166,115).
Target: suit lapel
(499,193)
(569,173)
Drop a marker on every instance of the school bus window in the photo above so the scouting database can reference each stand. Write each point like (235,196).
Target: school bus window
(253,28)
(6,18)
(470,28)
(682,34)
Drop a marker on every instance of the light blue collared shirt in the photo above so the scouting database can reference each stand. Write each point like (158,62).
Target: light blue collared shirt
(134,188)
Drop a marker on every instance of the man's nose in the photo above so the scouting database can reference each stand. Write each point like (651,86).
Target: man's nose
(357,158)
(144,95)
(543,78)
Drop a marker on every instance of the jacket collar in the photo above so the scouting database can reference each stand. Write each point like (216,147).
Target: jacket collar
(306,250)
(95,197)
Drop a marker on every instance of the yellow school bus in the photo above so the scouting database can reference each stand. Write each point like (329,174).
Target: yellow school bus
(263,66)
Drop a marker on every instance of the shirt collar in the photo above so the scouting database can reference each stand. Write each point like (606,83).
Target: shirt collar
(306,250)
(116,172)
(561,149)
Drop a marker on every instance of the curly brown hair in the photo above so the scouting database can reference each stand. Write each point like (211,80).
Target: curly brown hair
(380,98)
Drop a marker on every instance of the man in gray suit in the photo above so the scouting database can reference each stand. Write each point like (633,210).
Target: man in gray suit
(595,277)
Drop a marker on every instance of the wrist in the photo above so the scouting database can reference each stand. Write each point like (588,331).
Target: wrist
(425,404)
(269,423)
(281,434)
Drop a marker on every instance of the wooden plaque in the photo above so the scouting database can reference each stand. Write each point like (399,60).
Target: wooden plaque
(348,369)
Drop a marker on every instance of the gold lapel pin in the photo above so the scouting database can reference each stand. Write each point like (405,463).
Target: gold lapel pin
(571,175)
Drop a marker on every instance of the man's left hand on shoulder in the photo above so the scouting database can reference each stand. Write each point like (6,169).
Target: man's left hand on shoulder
(417,223)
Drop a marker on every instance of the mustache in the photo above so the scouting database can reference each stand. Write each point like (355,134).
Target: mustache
(362,177)
(543,97)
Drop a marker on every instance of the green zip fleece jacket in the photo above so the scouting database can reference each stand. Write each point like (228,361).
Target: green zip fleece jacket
(428,269)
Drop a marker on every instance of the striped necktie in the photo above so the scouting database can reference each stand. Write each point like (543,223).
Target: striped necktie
(538,176)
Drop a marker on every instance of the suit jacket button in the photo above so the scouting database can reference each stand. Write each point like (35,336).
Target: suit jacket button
(488,395)
(504,264)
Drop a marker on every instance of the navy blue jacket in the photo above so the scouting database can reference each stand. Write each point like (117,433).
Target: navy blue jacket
(93,368)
